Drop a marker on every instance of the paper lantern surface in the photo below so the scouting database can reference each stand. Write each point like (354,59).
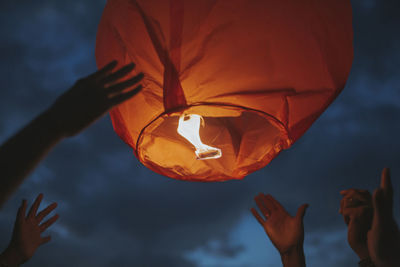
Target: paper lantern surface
(254,75)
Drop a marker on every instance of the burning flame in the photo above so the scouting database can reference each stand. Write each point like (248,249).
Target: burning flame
(189,127)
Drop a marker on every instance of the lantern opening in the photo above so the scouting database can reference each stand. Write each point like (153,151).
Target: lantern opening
(189,128)
(237,132)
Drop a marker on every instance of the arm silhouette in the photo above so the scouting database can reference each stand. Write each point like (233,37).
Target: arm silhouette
(89,99)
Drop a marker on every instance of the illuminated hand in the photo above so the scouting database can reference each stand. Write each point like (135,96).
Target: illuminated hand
(26,237)
(92,97)
(384,236)
(356,208)
(284,231)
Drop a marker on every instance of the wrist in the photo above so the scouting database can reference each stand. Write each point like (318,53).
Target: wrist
(361,251)
(294,257)
(363,254)
(10,258)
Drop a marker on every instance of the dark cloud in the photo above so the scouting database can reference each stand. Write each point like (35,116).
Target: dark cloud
(115,212)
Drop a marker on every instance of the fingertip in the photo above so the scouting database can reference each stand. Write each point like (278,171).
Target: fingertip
(131,65)
(302,210)
(258,196)
(384,176)
(112,64)
(46,239)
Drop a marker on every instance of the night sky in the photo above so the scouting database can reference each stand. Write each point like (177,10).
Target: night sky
(115,212)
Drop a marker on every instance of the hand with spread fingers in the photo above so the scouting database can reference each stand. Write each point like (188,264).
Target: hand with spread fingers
(384,236)
(27,234)
(76,109)
(93,96)
(285,232)
(356,208)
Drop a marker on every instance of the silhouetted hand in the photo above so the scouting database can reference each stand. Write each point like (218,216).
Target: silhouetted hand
(26,237)
(85,102)
(285,232)
(356,208)
(384,236)
(92,97)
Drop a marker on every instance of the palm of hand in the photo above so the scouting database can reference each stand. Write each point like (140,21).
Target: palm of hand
(78,107)
(27,231)
(284,231)
(26,238)
(92,97)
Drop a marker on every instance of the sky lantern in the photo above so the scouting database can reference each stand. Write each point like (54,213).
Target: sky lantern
(228,84)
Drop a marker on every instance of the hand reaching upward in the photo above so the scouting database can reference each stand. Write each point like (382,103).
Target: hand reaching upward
(384,236)
(356,208)
(27,233)
(285,232)
(93,96)
(76,109)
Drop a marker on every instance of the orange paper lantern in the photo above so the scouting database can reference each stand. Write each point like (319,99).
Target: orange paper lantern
(251,76)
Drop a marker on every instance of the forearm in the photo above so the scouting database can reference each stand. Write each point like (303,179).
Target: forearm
(294,258)
(20,154)
(10,258)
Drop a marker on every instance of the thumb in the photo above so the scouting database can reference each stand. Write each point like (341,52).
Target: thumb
(301,211)
(378,203)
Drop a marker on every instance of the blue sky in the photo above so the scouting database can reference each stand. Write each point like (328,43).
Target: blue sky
(115,212)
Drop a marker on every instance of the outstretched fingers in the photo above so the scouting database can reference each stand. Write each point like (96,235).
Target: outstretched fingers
(48,223)
(21,212)
(275,205)
(262,205)
(126,84)
(46,211)
(125,96)
(122,72)
(257,216)
(33,210)
(103,71)
(386,184)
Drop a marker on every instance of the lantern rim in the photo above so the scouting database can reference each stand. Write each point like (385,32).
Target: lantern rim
(284,142)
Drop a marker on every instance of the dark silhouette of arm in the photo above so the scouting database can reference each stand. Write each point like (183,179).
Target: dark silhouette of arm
(89,99)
